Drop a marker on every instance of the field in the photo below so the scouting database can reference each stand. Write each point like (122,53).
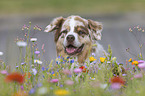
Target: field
(70,6)
(65,77)
(25,65)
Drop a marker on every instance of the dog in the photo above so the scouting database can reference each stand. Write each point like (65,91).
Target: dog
(75,37)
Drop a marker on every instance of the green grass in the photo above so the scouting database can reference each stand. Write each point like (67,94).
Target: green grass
(70,6)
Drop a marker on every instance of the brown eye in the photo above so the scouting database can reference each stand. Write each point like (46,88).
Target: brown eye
(65,31)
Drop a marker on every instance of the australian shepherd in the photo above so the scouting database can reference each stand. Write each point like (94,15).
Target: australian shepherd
(75,37)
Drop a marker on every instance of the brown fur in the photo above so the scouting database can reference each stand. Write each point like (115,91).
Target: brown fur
(88,28)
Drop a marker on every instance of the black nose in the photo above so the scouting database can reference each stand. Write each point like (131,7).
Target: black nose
(70,38)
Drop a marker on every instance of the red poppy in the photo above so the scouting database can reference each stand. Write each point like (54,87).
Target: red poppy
(15,77)
(117,80)
(83,69)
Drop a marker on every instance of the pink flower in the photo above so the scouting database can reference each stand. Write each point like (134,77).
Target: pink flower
(54,80)
(66,71)
(116,85)
(141,66)
(141,61)
(4,72)
(138,75)
(77,70)
(69,82)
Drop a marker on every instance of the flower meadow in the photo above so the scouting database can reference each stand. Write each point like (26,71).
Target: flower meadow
(63,76)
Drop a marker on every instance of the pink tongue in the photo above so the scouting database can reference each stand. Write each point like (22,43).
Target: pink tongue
(70,50)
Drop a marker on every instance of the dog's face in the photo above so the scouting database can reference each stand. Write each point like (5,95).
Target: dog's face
(74,35)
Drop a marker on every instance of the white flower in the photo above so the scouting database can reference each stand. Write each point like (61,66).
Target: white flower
(103,86)
(1,53)
(21,44)
(42,91)
(92,78)
(33,39)
(34,71)
(37,61)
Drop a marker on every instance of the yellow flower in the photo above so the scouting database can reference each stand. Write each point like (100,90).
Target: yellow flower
(92,59)
(61,92)
(102,59)
(53,74)
(135,63)
(130,60)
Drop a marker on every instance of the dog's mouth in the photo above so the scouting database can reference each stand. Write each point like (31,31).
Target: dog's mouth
(72,50)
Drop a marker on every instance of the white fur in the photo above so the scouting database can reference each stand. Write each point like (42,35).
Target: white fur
(72,23)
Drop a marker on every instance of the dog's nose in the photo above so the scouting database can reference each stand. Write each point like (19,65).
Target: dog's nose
(70,38)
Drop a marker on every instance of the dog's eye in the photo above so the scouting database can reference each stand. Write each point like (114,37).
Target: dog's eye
(81,32)
(65,31)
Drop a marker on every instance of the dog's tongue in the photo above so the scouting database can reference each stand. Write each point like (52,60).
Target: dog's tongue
(70,50)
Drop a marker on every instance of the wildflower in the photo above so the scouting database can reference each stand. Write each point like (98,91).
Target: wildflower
(42,47)
(34,71)
(115,85)
(42,90)
(143,30)
(4,72)
(43,68)
(138,75)
(103,86)
(20,93)
(21,44)
(92,78)
(83,68)
(69,82)
(17,66)
(61,92)
(23,63)
(102,59)
(32,91)
(124,74)
(37,52)
(66,71)
(15,77)
(135,63)
(130,29)
(114,59)
(92,59)
(1,53)
(142,65)
(37,61)
(33,39)
(77,70)
(54,80)
(72,61)
(22,87)
(93,54)
(130,60)
(39,85)
(117,82)
(141,61)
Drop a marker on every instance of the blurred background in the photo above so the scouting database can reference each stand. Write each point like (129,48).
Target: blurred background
(117,17)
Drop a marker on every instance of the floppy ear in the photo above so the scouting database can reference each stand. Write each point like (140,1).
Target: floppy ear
(55,24)
(96,29)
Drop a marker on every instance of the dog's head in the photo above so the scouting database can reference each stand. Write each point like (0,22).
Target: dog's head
(74,35)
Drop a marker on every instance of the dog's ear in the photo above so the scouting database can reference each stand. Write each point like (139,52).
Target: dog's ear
(55,24)
(96,29)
